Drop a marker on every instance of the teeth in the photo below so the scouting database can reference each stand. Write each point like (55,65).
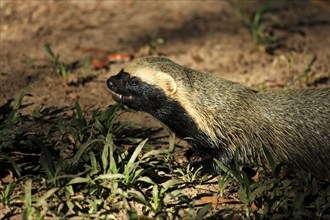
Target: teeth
(121,97)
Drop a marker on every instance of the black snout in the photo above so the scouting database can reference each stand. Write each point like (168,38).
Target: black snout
(110,83)
(117,83)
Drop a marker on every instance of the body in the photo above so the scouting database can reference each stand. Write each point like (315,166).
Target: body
(219,116)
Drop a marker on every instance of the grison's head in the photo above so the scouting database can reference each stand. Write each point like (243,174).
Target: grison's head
(144,84)
(162,88)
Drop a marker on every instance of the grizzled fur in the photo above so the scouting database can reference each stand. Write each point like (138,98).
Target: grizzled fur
(220,116)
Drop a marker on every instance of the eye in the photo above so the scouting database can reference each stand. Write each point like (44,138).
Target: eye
(135,81)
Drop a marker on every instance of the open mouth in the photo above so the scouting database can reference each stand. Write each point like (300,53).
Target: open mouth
(121,98)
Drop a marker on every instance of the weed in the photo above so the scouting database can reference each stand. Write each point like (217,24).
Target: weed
(58,67)
(224,181)
(305,76)
(190,174)
(84,68)
(155,42)
(161,195)
(255,24)
(6,195)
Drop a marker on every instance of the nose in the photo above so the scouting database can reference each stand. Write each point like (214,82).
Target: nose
(117,82)
(110,83)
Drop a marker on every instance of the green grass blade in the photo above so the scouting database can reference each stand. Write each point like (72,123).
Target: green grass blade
(94,164)
(270,159)
(47,167)
(82,149)
(27,200)
(80,114)
(43,200)
(137,151)
(146,179)
(202,212)
(48,50)
(138,196)
(12,162)
(110,176)
(78,180)
(222,166)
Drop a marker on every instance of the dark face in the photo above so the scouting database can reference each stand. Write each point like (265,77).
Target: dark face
(139,95)
(134,93)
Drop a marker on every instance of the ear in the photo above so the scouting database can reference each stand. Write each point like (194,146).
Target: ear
(169,85)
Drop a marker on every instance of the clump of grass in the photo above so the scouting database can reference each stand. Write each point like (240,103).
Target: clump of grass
(274,196)
(190,174)
(58,67)
(63,69)
(304,77)
(255,23)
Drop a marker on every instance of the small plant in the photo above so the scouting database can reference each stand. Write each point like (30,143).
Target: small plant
(6,195)
(305,76)
(255,24)
(224,181)
(85,65)
(155,42)
(160,196)
(129,172)
(191,174)
(59,67)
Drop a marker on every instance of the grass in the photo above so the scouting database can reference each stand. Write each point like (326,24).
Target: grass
(274,196)
(255,23)
(80,169)
(58,67)
(63,69)
(67,163)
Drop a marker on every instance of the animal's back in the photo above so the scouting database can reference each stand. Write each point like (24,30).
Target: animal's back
(300,122)
(293,125)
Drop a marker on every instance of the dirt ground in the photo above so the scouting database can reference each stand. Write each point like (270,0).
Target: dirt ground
(207,36)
